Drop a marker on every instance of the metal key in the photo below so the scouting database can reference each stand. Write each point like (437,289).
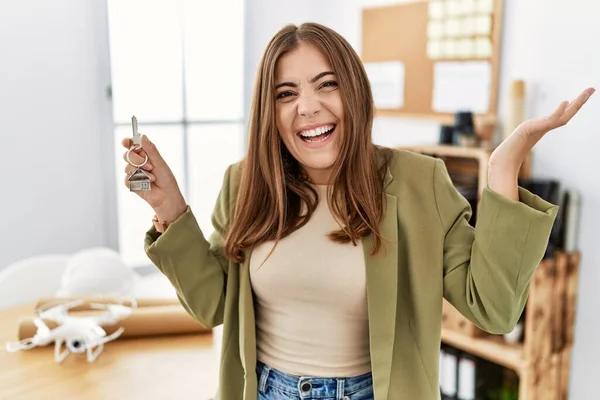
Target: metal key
(138,180)
(137,138)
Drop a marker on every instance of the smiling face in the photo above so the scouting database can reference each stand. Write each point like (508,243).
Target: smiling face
(309,110)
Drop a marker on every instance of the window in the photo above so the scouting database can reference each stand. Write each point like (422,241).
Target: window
(177,65)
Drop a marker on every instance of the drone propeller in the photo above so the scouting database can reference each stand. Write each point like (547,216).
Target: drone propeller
(112,336)
(25,344)
(116,312)
(42,328)
(57,312)
(42,337)
(127,302)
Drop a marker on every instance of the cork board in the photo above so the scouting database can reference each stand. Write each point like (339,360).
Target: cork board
(399,33)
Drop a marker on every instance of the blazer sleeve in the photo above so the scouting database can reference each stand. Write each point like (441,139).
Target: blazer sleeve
(196,267)
(487,269)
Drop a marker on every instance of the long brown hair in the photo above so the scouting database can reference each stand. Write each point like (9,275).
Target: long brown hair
(273,186)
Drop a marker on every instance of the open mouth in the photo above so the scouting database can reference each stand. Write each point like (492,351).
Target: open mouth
(317,135)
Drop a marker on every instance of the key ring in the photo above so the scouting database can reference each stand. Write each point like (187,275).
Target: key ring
(129,160)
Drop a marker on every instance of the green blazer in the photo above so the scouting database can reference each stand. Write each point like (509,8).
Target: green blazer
(432,253)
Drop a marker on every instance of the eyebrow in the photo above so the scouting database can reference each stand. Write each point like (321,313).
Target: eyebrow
(312,80)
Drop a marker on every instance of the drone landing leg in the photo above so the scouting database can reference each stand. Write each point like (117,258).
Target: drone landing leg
(58,356)
(93,354)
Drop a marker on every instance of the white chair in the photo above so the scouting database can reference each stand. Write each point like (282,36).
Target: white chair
(25,281)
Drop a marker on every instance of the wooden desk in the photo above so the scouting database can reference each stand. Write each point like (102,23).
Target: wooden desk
(173,367)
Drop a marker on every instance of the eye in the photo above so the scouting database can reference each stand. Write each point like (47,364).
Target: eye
(329,85)
(285,96)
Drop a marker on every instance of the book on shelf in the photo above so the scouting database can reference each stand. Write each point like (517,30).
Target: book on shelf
(464,376)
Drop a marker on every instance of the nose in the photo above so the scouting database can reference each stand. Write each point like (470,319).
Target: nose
(308,106)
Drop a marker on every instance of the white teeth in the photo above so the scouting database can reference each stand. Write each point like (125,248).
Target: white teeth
(317,131)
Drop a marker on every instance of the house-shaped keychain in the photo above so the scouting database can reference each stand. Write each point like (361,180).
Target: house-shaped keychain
(139,181)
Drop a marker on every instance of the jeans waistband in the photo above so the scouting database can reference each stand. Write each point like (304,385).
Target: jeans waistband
(309,386)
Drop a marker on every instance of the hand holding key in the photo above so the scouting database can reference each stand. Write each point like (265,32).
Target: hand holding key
(138,179)
(148,175)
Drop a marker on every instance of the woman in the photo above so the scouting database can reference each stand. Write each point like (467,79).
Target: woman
(331,256)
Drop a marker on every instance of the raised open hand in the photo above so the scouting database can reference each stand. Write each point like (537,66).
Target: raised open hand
(511,153)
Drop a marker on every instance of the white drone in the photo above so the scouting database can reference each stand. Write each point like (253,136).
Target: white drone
(79,334)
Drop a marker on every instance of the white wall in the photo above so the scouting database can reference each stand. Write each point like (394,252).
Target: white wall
(55,158)
(552,46)
(557,54)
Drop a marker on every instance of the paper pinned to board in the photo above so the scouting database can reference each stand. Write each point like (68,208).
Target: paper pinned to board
(436,9)
(467,26)
(452,27)
(483,25)
(435,49)
(483,47)
(387,83)
(484,6)
(469,7)
(453,8)
(460,86)
(450,49)
(465,48)
(435,30)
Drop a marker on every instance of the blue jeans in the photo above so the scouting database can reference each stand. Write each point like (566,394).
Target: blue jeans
(277,385)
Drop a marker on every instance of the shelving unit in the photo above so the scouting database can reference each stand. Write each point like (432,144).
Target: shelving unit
(542,358)
(482,156)
(492,348)
(480,121)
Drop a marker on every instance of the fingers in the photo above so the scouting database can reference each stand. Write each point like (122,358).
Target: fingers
(147,155)
(138,157)
(576,105)
(554,119)
(154,155)
(567,110)
(560,110)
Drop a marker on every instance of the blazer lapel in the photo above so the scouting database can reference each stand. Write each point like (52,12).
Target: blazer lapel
(382,287)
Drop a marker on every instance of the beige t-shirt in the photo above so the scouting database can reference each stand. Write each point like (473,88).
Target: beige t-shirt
(311,305)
